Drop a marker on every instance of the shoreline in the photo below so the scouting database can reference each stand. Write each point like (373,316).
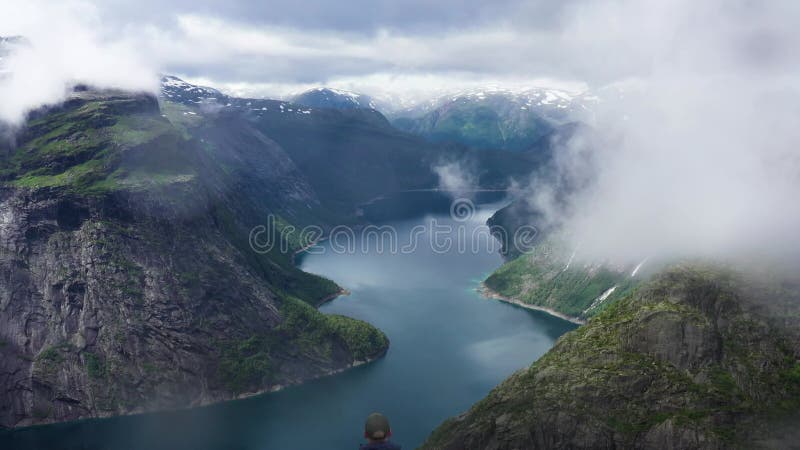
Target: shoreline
(329,298)
(303,249)
(202,403)
(209,402)
(486,292)
(280,387)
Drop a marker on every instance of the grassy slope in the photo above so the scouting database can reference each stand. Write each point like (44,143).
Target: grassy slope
(247,364)
(547,278)
(122,143)
(82,150)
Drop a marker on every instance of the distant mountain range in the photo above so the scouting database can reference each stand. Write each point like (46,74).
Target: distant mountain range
(312,132)
(490,118)
(334,98)
(495,118)
(486,118)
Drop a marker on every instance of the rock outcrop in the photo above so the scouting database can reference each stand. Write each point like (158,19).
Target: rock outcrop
(696,358)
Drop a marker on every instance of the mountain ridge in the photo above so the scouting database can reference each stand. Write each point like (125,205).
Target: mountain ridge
(494,118)
(699,357)
(325,97)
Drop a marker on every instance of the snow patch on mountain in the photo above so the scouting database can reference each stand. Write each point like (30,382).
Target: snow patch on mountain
(638,266)
(601,299)
(326,97)
(556,104)
(208,99)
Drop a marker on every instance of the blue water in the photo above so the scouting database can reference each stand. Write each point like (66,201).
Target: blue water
(449,347)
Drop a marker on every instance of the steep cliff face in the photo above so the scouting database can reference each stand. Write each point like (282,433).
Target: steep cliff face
(697,358)
(126,279)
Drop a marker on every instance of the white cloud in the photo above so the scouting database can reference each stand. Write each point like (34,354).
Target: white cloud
(699,156)
(64,46)
(274,60)
(457,178)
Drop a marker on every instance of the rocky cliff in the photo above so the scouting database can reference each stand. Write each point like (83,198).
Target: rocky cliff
(697,358)
(126,280)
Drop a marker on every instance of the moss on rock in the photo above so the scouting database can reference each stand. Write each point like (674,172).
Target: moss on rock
(668,366)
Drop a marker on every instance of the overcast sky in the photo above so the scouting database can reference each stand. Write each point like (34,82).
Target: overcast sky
(277,46)
(272,47)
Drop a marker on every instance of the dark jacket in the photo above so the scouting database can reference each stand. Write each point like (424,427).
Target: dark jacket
(385,445)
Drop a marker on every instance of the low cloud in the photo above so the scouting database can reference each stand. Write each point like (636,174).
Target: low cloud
(63,45)
(697,154)
(245,48)
(456,177)
(273,60)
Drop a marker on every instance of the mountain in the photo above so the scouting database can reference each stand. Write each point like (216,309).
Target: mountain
(179,91)
(333,98)
(350,156)
(699,357)
(558,278)
(512,217)
(495,118)
(128,281)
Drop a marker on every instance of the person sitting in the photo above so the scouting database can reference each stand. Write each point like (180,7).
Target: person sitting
(378,432)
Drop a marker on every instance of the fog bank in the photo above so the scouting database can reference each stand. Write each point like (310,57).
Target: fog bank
(64,43)
(696,152)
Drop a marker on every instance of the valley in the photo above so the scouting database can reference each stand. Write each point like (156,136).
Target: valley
(449,347)
(385,224)
(126,253)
